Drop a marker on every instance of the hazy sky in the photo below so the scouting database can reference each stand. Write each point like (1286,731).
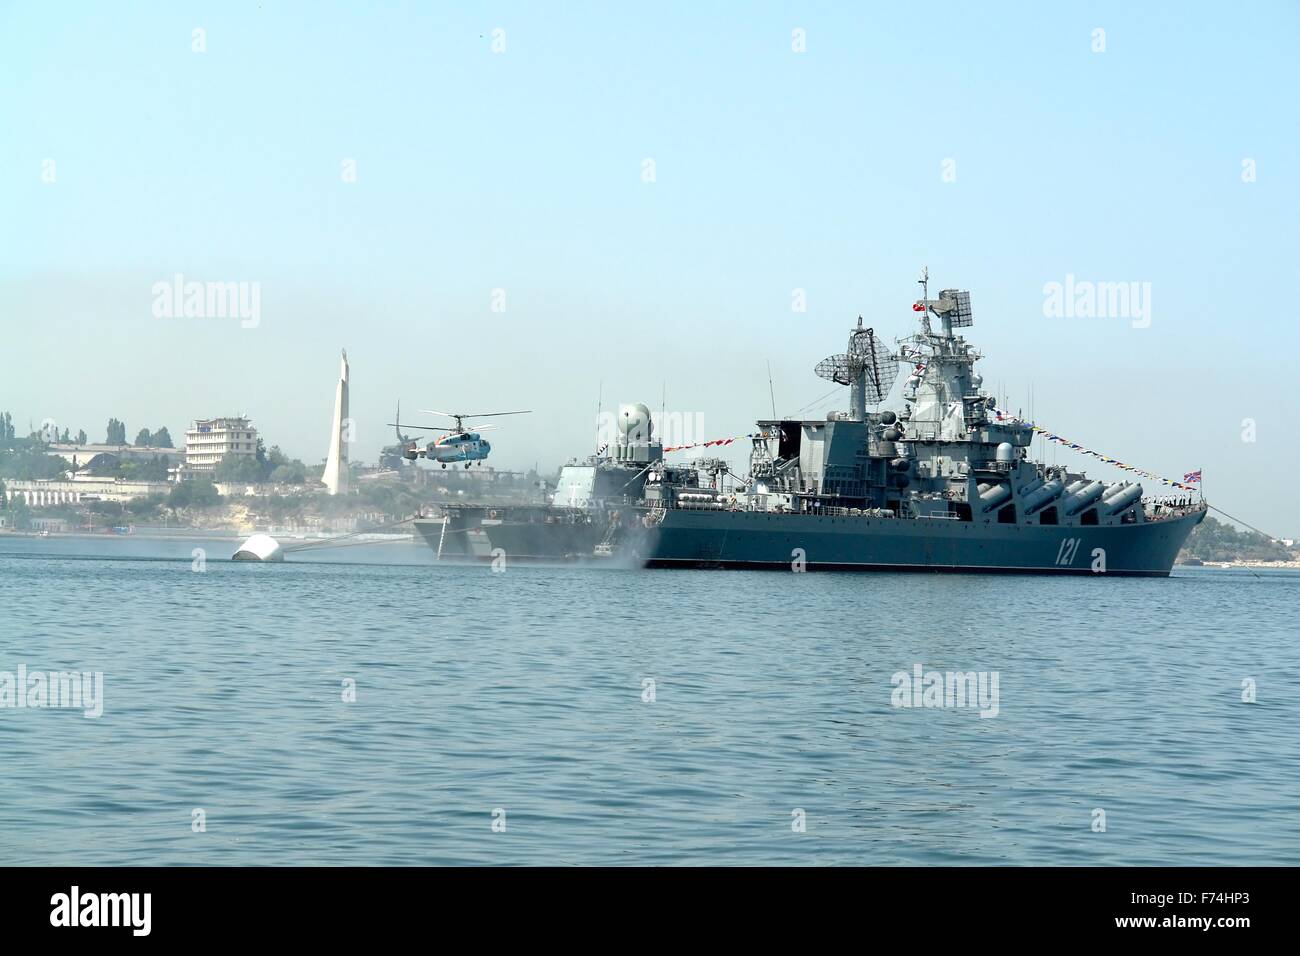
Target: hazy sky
(989,142)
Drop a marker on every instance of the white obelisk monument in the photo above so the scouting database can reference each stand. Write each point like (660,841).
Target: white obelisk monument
(336,465)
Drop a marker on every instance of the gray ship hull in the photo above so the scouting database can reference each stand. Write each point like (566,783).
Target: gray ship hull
(735,539)
(521,532)
(757,540)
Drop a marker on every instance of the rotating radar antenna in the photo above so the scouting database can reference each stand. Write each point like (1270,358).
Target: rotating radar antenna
(868,364)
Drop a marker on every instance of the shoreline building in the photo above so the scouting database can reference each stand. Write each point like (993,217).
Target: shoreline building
(79,456)
(44,492)
(207,441)
(336,465)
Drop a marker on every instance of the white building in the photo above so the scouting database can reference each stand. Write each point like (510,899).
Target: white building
(80,489)
(78,455)
(209,440)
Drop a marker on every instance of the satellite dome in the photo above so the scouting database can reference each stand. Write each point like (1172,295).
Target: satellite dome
(634,421)
(260,547)
(1005,452)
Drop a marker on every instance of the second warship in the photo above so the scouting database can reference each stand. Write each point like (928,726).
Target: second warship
(945,483)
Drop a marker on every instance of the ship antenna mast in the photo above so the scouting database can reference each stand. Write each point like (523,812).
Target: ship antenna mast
(924,283)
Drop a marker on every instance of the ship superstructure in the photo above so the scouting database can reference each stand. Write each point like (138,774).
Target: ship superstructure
(943,483)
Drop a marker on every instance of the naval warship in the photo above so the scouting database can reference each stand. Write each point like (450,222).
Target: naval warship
(943,483)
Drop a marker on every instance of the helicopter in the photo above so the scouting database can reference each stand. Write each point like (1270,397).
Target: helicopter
(456,445)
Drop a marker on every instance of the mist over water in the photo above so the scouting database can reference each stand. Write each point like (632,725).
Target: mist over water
(524,691)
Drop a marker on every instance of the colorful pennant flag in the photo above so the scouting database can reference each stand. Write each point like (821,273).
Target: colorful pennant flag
(1189,479)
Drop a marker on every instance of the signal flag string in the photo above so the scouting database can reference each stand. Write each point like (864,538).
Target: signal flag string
(1190,479)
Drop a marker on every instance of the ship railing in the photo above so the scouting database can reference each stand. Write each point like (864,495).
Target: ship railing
(1158,510)
(833,511)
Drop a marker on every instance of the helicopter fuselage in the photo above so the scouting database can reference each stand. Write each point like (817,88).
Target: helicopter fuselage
(464,447)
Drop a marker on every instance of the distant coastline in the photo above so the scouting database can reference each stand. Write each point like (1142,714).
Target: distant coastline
(1238,563)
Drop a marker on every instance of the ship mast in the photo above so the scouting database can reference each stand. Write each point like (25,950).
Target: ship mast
(924,283)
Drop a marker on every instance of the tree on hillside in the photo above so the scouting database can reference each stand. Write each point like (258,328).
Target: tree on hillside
(198,493)
(154,469)
(238,468)
(21,514)
(162,438)
(145,507)
(1213,540)
(293,473)
(282,469)
(144,439)
(116,432)
(81,436)
(30,463)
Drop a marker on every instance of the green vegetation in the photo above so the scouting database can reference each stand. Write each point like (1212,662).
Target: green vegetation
(25,459)
(273,465)
(392,500)
(116,433)
(142,509)
(237,468)
(197,493)
(1213,540)
(159,439)
(151,469)
(21,515)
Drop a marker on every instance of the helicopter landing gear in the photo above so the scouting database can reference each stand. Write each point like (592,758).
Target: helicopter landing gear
(444,466)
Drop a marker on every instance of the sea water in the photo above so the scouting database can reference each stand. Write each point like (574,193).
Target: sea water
(369,706)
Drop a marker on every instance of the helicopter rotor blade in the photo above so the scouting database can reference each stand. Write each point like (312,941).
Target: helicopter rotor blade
(431,411)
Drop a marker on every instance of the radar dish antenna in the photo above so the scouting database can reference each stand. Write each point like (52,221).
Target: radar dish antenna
(954,306)
(834,368)
(867,363)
